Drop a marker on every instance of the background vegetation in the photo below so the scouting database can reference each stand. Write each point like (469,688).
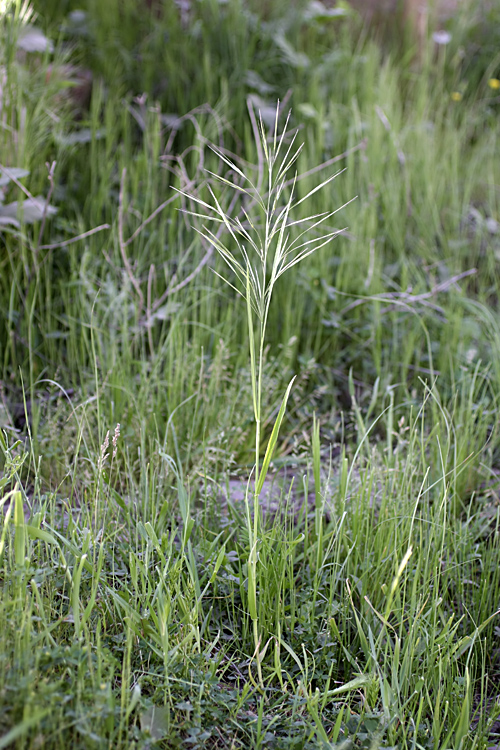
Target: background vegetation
(126,418)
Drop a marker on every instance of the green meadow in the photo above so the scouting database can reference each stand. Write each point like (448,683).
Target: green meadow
(249,378)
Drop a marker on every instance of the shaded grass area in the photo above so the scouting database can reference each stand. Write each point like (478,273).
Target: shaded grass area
(126,612)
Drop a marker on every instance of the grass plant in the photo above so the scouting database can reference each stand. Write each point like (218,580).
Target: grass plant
(266,250)
(145,599)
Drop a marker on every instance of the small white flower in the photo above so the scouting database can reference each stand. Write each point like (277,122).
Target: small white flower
(492,225)
(442,37)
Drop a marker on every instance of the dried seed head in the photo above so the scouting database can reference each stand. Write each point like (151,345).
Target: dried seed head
(104,455)
(115,439)
(105,445)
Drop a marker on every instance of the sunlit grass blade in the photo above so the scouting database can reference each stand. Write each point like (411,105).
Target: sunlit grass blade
(20,530)
(318,187)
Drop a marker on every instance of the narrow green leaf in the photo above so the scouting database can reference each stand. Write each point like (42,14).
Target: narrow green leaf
(338,724)
(354,684)
(75,596)
(6,522)
(36,533)
(95,587)
(464,723)
(20,530)
(273,439)
(218,563)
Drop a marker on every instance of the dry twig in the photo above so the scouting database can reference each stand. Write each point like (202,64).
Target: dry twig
(407,300)
(77,238)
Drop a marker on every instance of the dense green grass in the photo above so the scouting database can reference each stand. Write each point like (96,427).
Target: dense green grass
(141,600)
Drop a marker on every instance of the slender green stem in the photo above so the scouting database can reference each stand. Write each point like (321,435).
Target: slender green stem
(256,638)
